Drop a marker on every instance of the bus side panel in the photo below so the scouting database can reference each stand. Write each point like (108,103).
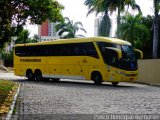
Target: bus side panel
(70,67)
(55,67)
(18,68)
(90,64)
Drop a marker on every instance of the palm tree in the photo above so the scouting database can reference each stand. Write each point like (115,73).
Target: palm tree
(69,29)
(110,5)
(156,28)
(105,26)
(133,30)
(23,37)
(119,5)
(100,6)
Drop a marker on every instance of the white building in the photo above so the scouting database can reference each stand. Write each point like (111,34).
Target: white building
(97,24)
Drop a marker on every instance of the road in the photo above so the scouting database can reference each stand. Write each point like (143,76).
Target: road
(83,98)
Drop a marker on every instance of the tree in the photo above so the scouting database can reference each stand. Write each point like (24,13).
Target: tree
(105,6)
(16,13)
(147,49)
(36,38)
(105,26)
(133,30)
(69,29)
(119,6)
(100,6)
(155,28)
(23,37)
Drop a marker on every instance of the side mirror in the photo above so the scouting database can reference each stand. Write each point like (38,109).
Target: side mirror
(116,51)
(138,53)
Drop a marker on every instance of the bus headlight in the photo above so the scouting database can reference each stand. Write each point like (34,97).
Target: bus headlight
(129,75)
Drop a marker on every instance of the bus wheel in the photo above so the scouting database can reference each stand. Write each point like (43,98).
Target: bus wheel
(115,83)
(30,75)
(97,78)
(38,75)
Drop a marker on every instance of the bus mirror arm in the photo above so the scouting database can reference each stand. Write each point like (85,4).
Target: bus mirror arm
(118,51)
(139,53)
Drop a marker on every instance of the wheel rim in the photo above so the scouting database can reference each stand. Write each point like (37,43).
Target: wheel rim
(97,79)
(29,75)
(38,76)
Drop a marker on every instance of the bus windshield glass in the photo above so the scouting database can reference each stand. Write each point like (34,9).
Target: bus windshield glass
(127,52)
(128,60)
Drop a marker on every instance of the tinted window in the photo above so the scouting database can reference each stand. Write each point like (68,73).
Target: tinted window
(73,49)
(102,45)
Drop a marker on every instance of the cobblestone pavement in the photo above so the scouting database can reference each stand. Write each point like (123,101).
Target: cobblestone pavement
(41,98)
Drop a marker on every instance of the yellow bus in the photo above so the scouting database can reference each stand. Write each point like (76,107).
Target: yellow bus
(100,59)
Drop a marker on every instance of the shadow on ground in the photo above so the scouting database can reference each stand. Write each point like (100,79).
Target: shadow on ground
(78,84)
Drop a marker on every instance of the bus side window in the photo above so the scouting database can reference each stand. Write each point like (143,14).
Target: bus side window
(19,51)
(76,50)
(89,50)
(111,57)
(92,51)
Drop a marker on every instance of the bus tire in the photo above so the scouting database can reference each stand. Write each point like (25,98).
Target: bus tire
(115,83)
(30,75)
(97,78)
(38,75)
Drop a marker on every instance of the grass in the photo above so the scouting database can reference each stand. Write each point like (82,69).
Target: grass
(5,88)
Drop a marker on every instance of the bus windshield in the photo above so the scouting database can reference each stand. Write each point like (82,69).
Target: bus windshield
(128,60)
(127,52)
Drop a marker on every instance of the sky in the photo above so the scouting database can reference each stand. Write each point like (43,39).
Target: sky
(77,11)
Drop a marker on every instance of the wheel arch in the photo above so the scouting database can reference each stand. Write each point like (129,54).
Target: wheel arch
(95,72)
(37,70)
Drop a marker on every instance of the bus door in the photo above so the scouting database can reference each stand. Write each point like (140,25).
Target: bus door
(112,73)
(111,59)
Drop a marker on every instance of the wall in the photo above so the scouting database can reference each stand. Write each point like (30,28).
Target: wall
(149,71)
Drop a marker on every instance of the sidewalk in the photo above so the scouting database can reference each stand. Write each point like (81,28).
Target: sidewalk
(3,69)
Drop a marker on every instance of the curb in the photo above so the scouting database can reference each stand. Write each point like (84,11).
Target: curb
(144,83)
(10,113)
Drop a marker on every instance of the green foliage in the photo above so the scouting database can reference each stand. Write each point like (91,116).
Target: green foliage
(69,29)
(100,6)
(148,21)
(23,37)
(16,13)
(134,30)
(36,38)
(7,56)
(5,87)
(105,6)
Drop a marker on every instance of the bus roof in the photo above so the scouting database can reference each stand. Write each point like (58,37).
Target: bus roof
(79,40)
